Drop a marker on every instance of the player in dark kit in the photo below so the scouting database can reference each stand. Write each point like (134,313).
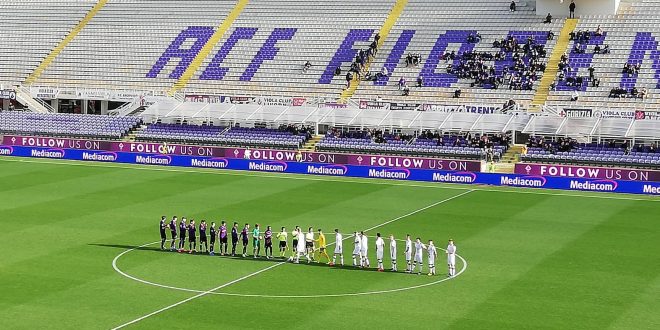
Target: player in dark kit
(234,238)
(244,237)
(173,232)
(212,236)
(268,242)
(183,228)
(192,239)
(222,234)
(202,237)
(163,232)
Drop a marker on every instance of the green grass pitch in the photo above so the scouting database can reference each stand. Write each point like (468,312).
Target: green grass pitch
(536,259)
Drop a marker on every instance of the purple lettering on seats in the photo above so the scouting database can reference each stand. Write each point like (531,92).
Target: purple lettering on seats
(201,34)
(345,52)
(644,42)
(433,79)
(395,55)
(214,71)
(580,61)
(268,51)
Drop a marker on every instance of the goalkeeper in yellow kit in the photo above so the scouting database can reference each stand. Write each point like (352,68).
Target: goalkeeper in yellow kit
(322,247)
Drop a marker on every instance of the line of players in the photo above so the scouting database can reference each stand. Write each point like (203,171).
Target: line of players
(303,245)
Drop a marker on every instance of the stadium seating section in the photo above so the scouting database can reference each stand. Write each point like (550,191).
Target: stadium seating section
(597,154)
(66,125)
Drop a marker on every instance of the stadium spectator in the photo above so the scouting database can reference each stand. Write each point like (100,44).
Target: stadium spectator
(551,35)
(575,96)
(402,83)
(618,92)
(306,66)
(548,19)
(420,81)
(591,73)
(571,9)
(457,93)
(512,6)
(337,71)
(349,78)
(643,93)
(599,31)
(406,90)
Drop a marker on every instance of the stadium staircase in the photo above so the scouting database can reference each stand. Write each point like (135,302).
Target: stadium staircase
(512,155)
(132,134)
(69,37)
(310,145)
(543,91)
(208,47)
(384,31)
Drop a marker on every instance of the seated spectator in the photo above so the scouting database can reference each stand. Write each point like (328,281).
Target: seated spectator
(643,93)
(409,60)
(597,49)
(595,82)
(402,83)
(599,31)
(337,71)
(575,96)
(457,93)
(606,49)
(548,19)
(512,6)
(551,35)
(634,92)
(420,81)
(406,90)
(306,66)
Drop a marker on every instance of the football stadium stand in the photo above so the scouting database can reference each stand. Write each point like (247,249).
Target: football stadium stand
(67,125)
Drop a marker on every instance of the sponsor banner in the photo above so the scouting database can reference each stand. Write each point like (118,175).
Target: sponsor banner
(404,106)
(48,93)
(473,108)
(204,98)
(282,101)
(576,113)
(589,172)
(125,96)
(239,99)
(333,105)
(250,154)
(7,94)
(92,94)
(374,105)
(376,172)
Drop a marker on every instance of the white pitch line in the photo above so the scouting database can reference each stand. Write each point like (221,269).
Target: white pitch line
(307,177)
(196,296)
(249,295)
(257,272)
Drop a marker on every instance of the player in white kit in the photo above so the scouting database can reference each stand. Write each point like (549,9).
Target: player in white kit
(451,258)
(432,254)
(364,248)
(419,255)
(338,248)
(380,249)
(408,253)
(356,247)
(393,252)
(300,249)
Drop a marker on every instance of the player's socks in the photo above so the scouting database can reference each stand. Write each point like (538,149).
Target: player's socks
(341,259)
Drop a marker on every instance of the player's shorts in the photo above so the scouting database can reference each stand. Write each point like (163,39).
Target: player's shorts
(431,261)
(245,242)
(282,244)
(309,245)
(173,234)
(212,239)
(183,236)
(192,238)
(163,235)
(363,253)
(379,254)
(294,243)
(408,256)
(256,243)
(451,259)
(321,250)
(356,250)
(338,249)
(223,240)
(268,242)
(418,258)
(202,238)
(392,256)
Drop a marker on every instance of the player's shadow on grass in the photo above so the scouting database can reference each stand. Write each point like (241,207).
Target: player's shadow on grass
(238,257)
